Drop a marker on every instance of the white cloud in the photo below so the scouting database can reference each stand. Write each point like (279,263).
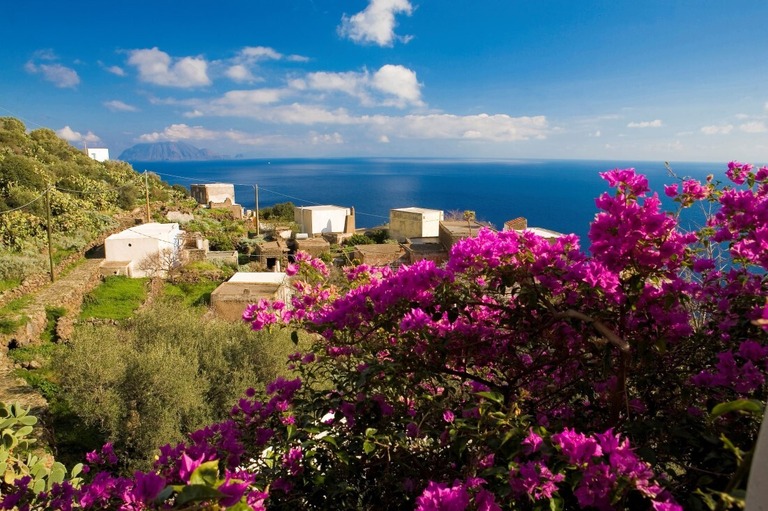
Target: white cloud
(116,70)
(118,106)
(391,85)
(74,137)
(722,129)
(61,76)
(157,67)
(350,82)
(376,23)
(646,124)
(596,134)
(754,127)
(239,73)
(258,53)
(494,128)
(176,132)
(399,82)
(327,138)
(384,139)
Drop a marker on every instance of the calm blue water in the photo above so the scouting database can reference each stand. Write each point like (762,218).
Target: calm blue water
(554,194)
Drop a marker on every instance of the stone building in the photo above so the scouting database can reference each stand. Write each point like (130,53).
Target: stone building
(217,196)
(271,254)
(452,231)
(382,254)
(414,223)
(230,299)
(313,246)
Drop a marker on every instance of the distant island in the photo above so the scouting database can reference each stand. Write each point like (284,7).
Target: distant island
(167,151)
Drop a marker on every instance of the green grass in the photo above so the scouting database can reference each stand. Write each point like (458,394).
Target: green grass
(52,315)
(116,298)
(9,284)
(191,294)
(11,317)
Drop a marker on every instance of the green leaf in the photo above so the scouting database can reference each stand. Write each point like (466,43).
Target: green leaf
(295,337)
(26,430)
(197,493)
(38,486)
(331,440)
(496,397)
(29,420)
(751,406)
(369,432)
(76,470)
(206,474)
(368,447)
(290,431)
(240,506)
(165,493)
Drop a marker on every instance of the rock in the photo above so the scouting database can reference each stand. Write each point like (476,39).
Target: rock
(33,364)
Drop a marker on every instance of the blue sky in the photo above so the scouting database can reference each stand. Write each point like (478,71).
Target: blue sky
(666,80)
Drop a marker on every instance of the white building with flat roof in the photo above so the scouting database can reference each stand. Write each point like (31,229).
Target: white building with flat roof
(414,222)
(125,251)
(98,153)
(324,219)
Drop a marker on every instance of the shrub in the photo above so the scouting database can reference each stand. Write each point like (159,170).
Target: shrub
(163,374)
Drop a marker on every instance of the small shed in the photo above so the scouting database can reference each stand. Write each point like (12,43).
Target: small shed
(414,222)
(213,192)
(313,246)
(271,254)
(430,249)
(316,220)
(452,231)
(382,254)
(230,299)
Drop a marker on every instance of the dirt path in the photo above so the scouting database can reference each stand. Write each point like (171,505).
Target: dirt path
(67,292)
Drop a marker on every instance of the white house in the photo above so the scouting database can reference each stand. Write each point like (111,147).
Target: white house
(98,153)
(414,223)
(324,219)
(130,252)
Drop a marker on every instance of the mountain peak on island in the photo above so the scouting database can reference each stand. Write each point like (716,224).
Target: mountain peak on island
(166,151)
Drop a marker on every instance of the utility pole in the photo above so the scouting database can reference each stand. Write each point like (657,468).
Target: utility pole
(146,192)
(48,217)
(256,193)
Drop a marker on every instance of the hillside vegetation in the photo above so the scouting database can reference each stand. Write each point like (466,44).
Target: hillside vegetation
(38,168)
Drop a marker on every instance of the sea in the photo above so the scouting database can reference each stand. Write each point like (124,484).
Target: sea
(553,194)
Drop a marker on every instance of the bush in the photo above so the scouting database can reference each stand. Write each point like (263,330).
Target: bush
(163,374)
(19,266)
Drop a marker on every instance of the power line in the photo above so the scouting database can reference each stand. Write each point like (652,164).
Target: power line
(27,204)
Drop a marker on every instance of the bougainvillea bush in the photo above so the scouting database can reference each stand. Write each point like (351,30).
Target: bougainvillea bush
(524,373)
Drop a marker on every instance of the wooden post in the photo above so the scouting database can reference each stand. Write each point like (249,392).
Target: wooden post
(256,193)
(146,193)
(48,217)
